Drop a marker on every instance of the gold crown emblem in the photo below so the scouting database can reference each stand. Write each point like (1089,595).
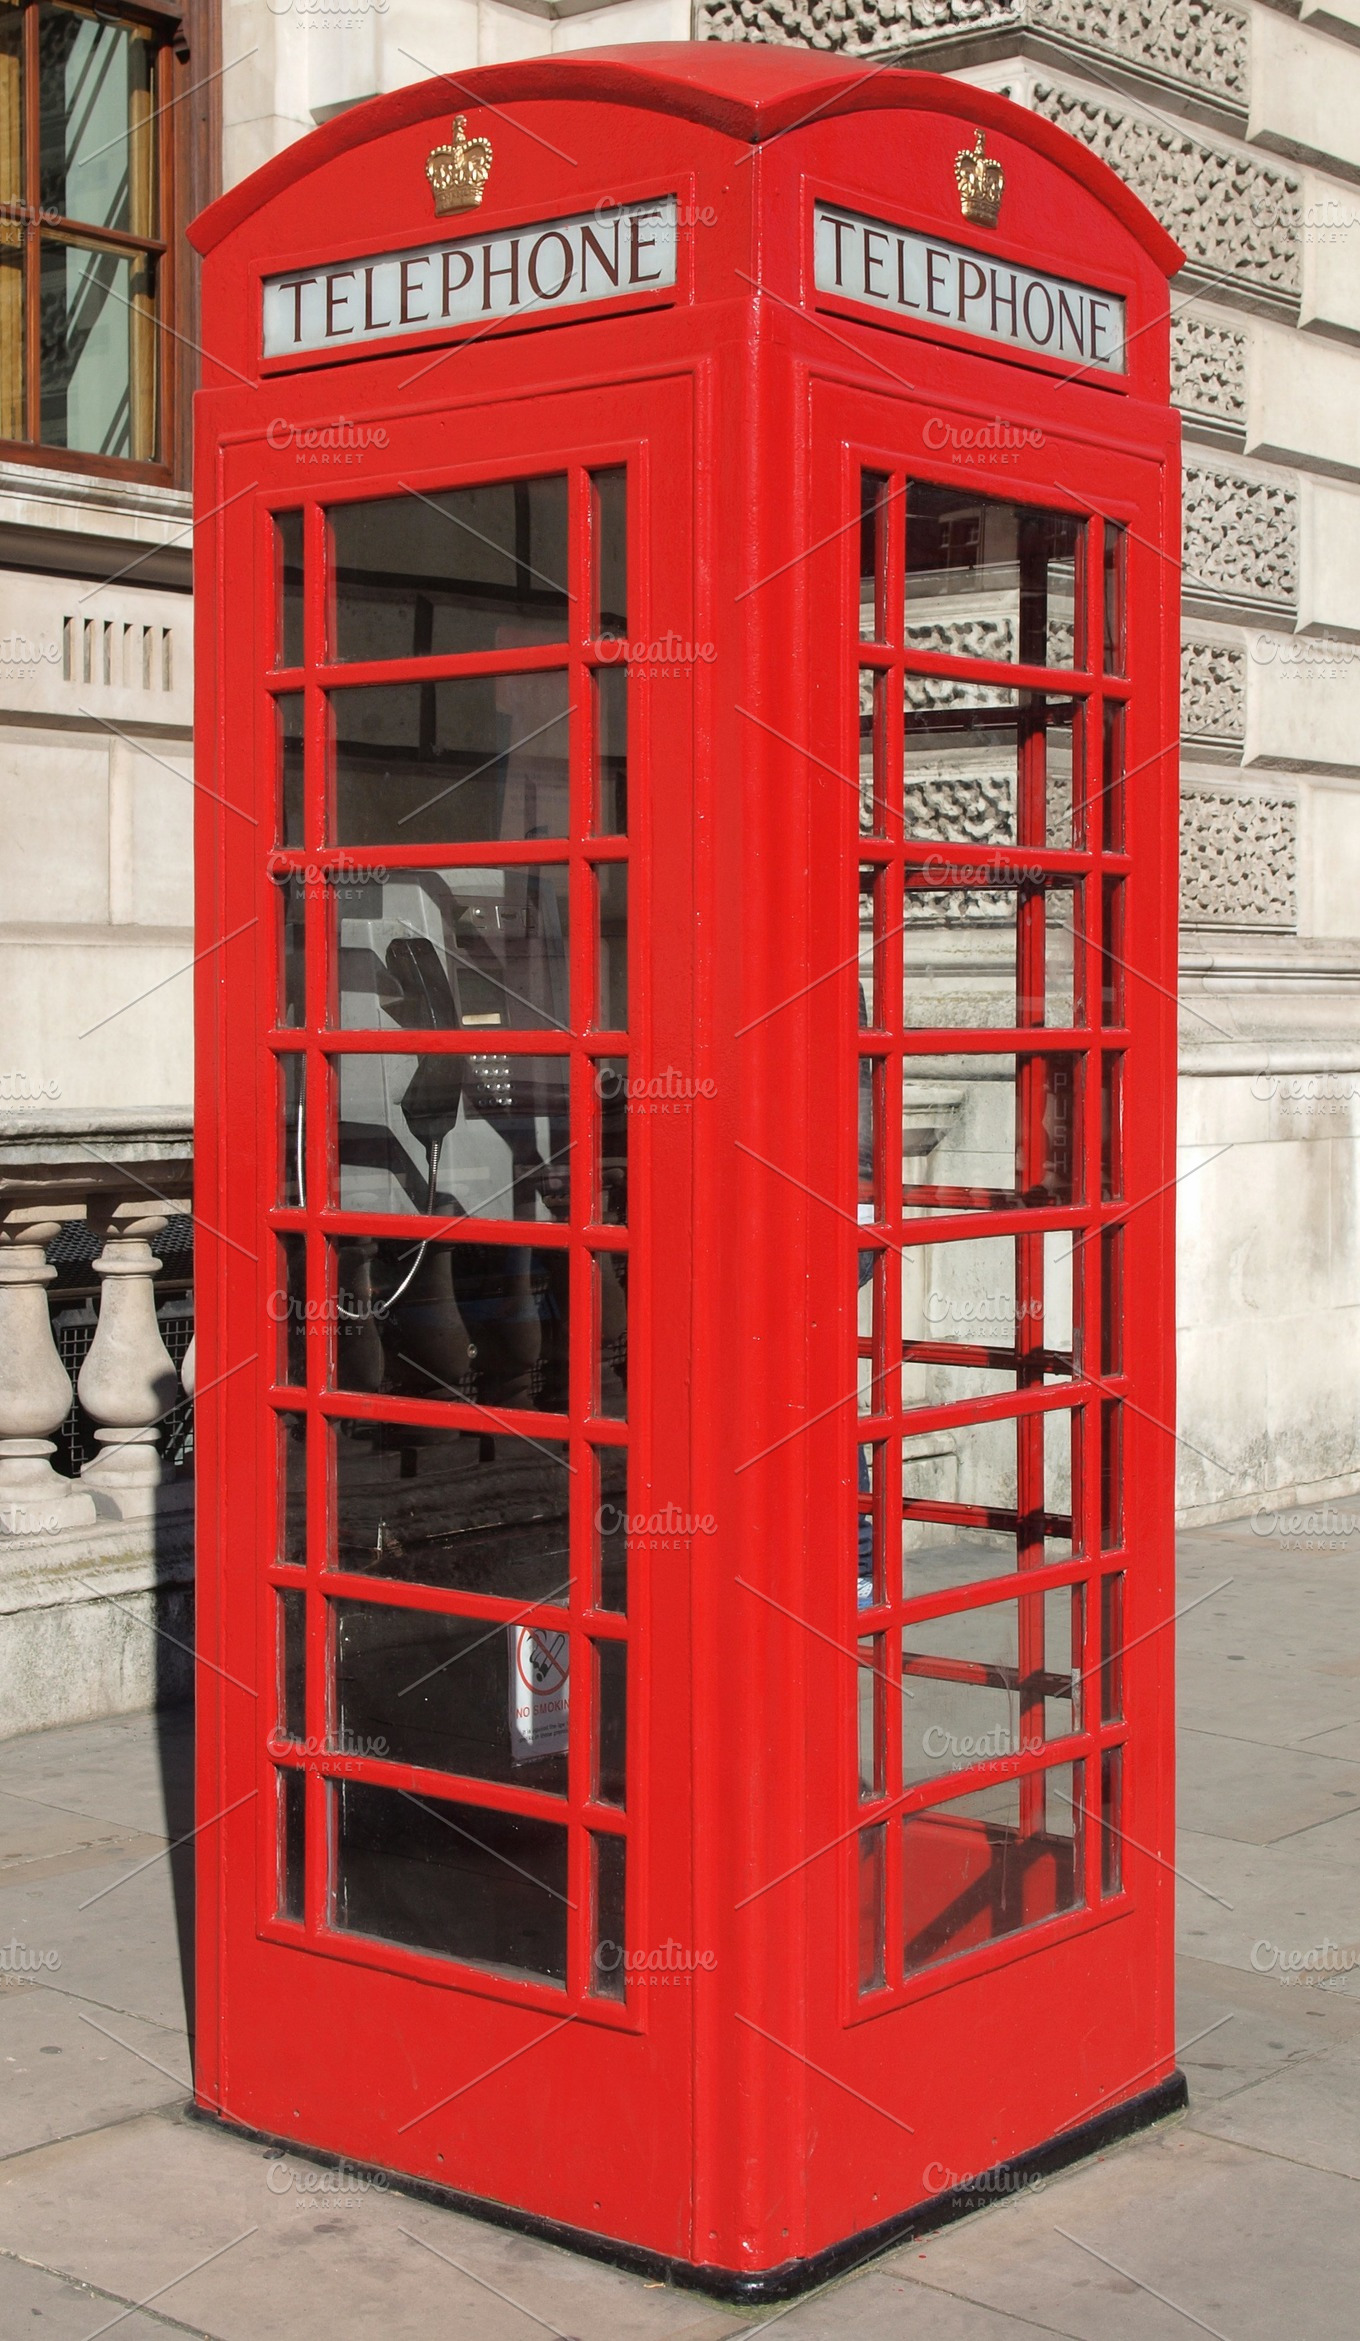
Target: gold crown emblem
(458,173)
(982,183)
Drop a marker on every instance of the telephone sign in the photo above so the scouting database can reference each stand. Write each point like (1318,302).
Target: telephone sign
(686,1042)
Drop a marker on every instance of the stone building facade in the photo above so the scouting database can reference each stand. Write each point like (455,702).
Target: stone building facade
(1240,127)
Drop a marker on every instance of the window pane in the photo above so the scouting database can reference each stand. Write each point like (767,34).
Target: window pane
(610,1863)
(1004,1131)
(611,1334)
(466,569)
(990,579)
(477,1324)
(997,955)
(452,950)
(293,1844)
(453,1694)
(290,723)
(11,122)
(292,1665)
(988,1683)
(471,759)
(610,514)
(292,1128)
(456,1880)
(873,1907)
(292,1534)
(462,1511)
(981,1466)
(13,407)
(288,572)
(481,1136)
(982,1866)
(612,882)
(97,148)
(98,351)
(611,1174)
(292,1005)
(611,1526)
(966,1328)
(288,1307)
(985,765)
(611,751)
(873,557)
(611,1722)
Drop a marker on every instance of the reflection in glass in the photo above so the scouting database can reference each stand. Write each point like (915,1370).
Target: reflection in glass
(987,1683)
(990,579)
(967,1330)
(292,1011)
(481,1137)
(611,1334)
(1116,546)
(1111,1822)
(289,719)
(292,1844)
(442,1693)
(982,1866)
(288,1308)
(288,588)
(611,751)
(873,1907)
(292,1531)
(467,1512)
(611,1722)
(611,1124)
(292,1128)
(292,1616)
(993,955)
(467,760)
(611,1524)
(1007,1134)
(452,950)
(98,350)
(873,751)
(987,764)
(873,557)
(456,1880)
(612,883)
(609,1860)
(1112,1648)
(872,1694)
(1112,778)
(464,569)
(977,1466)
(609,513)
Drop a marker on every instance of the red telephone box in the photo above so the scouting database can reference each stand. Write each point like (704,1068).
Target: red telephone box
(687,790)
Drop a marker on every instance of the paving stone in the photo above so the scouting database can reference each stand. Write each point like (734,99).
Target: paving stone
(66,2067)
(38,2305)
(1237,1788)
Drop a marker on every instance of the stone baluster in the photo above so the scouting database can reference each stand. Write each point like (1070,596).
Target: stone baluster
(188,1367)
(128,1382)
(35,1388)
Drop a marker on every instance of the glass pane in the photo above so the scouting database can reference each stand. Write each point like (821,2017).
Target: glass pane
(11,122)
(609,1855)
(1000,1132)
(1116,539)
(1111,1300)
(96,144)
(466,569)
(1111,1475)
(982,1866)
(1112,954)
(611,1334)
(13,401)
(609,492)
(292,1534)
(467,1512)
(292,1616)
(453,1694)
(456,1880)
(288,588)
(874,776)
(292,1129)
(1112,778)
(871,924)
(872,1691)
(1111,1128)
(979,1465)
(611,1125)
(611,1526)
(457,1136)
(98,343)
(873,557)
(611,1723)
(290,722)
(611,752)
(471,759)
(990,579)
(872,1342)
(612,882)
(999,955)
(869,1543)
(988,1683)
(1111,1821)
(985,765)
(452,950)
(288,1309)
(966,1329)
(292,1009)
(1112,1649)
(873,1907)
(293,1844)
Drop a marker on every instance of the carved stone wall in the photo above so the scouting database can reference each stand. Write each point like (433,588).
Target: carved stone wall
(1199,43)
(1239,859)
(1213,694)
(1238,221)
(1209,373)
(1240,539)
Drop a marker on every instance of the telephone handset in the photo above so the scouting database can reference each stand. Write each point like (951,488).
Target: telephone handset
(428,1002)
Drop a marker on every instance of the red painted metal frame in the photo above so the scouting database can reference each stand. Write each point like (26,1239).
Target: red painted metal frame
(759,2112)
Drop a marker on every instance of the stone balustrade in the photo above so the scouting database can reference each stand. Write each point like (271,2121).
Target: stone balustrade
(96,1491)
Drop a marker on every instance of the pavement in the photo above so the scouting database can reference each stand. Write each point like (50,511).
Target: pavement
(1238,2220)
